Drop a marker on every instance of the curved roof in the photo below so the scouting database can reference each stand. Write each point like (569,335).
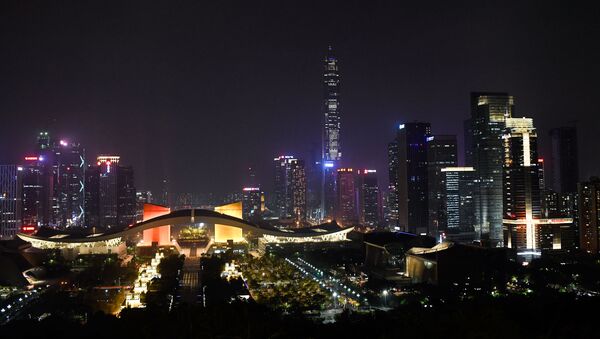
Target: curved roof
(179,217)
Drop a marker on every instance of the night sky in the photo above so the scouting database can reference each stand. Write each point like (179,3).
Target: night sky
(198,91)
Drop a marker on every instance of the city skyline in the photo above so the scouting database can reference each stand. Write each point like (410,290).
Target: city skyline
(338,169)
(383,85)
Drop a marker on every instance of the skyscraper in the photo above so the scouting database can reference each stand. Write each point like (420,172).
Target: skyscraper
(368,198)
(64,163)
(298,173)
(589,216)
(110,198)
(68,166)
(346,211)
(282,195)
(488,114)
(251,196)
(37,192)
(251,202)
(410,175)
(459,203)
(165,194)
(331,107)
(290,188)
(332,153)
(10,201)
(522,196)
(565,160)
(441,153)
(468,140)
(314,177)
(391,216)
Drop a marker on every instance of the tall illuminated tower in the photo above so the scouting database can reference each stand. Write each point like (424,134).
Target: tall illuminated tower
(488,115)
(331,133)
(522,199)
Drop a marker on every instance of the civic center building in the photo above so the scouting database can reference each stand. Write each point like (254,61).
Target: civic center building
(156,231)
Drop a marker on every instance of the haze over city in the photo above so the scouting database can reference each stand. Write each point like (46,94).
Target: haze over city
(199,91)
(295,169)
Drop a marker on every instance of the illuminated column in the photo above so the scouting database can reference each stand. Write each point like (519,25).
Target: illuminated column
(522,196)
(160,235)
(223,233)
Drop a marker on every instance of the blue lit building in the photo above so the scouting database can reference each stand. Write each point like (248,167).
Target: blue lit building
(410,176)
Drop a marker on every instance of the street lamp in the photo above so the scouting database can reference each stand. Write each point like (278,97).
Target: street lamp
(385,293)
(335,299)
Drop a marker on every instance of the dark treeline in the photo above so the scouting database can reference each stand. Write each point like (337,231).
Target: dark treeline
(512,317)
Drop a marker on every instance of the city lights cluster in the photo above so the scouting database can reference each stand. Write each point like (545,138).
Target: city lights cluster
(15,306)
(341,291)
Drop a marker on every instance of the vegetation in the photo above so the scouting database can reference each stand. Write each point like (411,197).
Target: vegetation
(104,270)
(162,290)
(515,317)
(275,283)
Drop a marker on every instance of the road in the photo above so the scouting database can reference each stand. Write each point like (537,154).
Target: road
(190,284)
(339,288)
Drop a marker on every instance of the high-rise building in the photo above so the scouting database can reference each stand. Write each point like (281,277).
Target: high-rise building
(37,192)
(251,202)
(142,198)
(298,182)
(92,196)
(111,196)
(64,163)
(290,188)
(331,107)
(523,225)
(409,159)
(488,114)
(346,206)
(559,206)
(441,153)
(391,216)
(589,216)
(165,194)
(282,194)
(522,195)
(69,183)
(459,201)
(565,160)
(468,141)
(252,196)
(331,154)
(369,206)
(314,185)
(542,174)
(10,201)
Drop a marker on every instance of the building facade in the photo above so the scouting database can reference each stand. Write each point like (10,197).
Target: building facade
(110,195)
(251,202)
(522,194)
(37,193)
(332,151)
(10,201)
(565,159)
(441,153)
(488,114)
(346,206)
(290,188)
(459,202)
(589,218)
(299,191)
(408,156)
(369,199)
